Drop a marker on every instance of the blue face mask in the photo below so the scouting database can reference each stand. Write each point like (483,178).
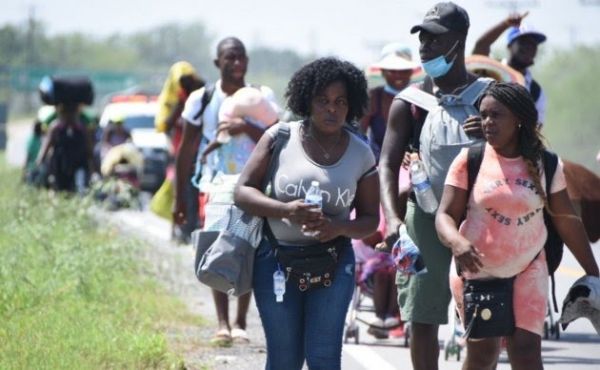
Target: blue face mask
(438,67)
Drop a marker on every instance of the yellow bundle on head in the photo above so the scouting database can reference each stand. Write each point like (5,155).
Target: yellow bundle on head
(169,94)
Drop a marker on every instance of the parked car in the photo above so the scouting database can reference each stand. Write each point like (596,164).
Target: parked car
(138,113)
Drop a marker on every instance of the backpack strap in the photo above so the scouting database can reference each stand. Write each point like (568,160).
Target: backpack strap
(417,110)
(209,91)
(282,137)
(474,159)
(535,90)
(415,95)
(471,94)
(550,162)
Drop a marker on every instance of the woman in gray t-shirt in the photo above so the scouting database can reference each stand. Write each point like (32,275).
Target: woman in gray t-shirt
(308,323)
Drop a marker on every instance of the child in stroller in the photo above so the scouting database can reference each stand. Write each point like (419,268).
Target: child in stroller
(375,279)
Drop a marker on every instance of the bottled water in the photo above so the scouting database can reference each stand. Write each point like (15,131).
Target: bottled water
(279,285)
(422,187)
(314,196)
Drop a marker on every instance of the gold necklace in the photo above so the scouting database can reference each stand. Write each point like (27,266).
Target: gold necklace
(325,152)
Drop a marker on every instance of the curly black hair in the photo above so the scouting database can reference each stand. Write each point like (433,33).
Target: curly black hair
(314,77)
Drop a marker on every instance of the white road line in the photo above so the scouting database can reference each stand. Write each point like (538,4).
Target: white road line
(367,358)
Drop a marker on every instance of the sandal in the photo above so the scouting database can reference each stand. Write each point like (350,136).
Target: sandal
(239,336)
(222,338)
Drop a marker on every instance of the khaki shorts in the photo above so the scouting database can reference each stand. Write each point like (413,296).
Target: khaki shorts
(425,298)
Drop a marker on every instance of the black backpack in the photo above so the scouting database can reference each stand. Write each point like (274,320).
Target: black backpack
(554,244)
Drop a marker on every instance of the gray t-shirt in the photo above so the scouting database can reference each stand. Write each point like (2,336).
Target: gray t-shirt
(338,181)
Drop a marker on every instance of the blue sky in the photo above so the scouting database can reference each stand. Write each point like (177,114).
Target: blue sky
(351,29)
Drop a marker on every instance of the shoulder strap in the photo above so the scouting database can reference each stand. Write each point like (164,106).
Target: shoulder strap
(471,94)
(474,159)
(550,161)
(209,91)
(535,90)
(418,97)
(283,135)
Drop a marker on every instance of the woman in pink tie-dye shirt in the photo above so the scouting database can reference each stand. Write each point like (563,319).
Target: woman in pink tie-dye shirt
(503,234)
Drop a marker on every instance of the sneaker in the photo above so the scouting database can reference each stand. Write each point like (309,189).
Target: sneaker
(376,322)
(397,332)
(391,322)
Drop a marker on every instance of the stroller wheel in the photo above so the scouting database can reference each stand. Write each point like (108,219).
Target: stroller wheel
(351,332)
(555,331)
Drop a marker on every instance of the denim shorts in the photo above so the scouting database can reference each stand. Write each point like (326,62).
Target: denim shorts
(306,325)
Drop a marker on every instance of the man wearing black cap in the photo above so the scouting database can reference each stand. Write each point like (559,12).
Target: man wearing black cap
(522,42)
(418,116)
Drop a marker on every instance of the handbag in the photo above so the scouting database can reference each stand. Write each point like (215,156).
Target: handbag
(227,264)
(225,251)
(489,308)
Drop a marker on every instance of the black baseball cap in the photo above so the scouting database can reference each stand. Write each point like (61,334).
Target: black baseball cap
(444,17)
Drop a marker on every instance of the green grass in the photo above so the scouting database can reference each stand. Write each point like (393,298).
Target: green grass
(73,296)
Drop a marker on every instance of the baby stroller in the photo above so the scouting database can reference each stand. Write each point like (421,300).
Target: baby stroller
(361,307)
(120,185)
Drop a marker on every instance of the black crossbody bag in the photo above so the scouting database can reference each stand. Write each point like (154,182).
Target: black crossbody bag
(311,266)
(489,308)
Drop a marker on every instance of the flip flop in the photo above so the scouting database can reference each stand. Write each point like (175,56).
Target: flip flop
(239,336)
(222,338)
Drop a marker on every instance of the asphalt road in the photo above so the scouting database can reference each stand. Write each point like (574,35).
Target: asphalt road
(577,348)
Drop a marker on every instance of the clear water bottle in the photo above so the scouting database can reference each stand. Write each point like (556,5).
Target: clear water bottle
(422,187)
(314,196)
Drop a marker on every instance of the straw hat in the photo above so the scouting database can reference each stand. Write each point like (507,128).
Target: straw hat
(395,57)
(487,67)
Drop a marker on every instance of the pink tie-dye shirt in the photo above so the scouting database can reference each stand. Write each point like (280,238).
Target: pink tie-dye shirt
(505,219)
(505,222)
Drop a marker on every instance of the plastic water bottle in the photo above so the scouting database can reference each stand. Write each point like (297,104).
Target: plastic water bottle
(422,187)
(314,196)
(279,285)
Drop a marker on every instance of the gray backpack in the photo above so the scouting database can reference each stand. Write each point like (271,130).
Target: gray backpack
(442,135)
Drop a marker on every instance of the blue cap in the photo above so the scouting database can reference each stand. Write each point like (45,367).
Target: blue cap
(524,30)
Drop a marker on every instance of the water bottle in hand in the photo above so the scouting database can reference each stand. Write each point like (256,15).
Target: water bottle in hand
(314,196)
(422,187)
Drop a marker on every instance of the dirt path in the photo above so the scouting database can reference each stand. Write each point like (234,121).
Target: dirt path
(173,267)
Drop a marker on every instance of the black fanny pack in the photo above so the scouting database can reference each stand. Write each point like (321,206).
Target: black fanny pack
(311,266)
(489,308)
